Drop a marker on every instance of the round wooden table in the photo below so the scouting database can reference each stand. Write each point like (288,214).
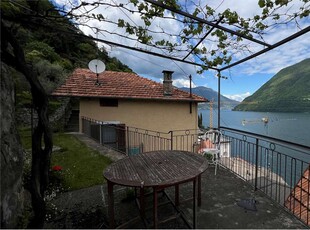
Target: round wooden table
(158,170)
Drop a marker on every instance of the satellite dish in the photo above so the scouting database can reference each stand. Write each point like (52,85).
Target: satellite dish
(96,66)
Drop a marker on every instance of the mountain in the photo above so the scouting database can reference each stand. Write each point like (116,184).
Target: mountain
(210,94)
(287,91)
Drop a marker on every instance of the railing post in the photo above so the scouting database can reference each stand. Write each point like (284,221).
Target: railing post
(127,128)
(100,134)
(171,137)
(82,129)
(256,164)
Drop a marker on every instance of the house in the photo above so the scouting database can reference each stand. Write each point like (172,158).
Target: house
(132,101)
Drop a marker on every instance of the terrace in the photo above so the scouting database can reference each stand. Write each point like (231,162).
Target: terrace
(269,173)
(267,170)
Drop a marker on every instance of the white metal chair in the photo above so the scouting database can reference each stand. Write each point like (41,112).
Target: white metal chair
(212,139)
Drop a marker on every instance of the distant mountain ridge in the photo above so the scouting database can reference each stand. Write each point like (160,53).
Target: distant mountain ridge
(210,94)
(287,91)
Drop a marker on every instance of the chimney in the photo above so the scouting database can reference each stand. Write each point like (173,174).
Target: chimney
(167,84)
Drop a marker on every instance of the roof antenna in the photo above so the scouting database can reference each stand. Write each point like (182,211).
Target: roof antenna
(96,65)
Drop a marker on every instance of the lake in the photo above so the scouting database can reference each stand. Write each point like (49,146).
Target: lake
(293,127)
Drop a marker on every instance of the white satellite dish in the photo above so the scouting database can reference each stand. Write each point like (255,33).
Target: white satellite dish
(96,66)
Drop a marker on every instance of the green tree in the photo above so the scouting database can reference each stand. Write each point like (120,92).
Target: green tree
(42,132)
(32,44)
(200,124)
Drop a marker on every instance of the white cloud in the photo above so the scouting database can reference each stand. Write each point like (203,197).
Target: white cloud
(182,83)
(279,58)
(148,65)
(238,97)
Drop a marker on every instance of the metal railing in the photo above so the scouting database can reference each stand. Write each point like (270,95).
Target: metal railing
(276,167)
(130,140)
(127,140)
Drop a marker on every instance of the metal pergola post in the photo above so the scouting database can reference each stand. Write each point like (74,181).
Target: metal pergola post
(219,100)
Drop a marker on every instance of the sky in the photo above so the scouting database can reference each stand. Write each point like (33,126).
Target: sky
(242,80)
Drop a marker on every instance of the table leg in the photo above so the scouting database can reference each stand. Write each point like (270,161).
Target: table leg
(194,204)
(199,191)
(176,195)
(142,205)
(155,217)
(111,204)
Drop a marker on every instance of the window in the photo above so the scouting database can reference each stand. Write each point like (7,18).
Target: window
(107,102)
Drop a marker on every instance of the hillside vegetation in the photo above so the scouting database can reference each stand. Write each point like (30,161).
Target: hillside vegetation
(52,47)
(287,91)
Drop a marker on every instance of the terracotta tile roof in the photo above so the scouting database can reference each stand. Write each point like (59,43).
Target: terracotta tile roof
(81,83)
(298,201)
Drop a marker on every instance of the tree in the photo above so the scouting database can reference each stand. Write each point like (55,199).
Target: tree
(40,154)
(200,124)
(13,55)
(31,45)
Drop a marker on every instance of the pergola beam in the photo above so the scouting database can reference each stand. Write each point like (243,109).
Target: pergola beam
(160,4)
(282,42)
(146,51)
(206,35)
(69,32)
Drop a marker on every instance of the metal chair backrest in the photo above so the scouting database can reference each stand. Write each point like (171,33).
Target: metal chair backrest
(214,136)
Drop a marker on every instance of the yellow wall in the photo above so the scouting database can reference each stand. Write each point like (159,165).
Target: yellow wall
(161,116)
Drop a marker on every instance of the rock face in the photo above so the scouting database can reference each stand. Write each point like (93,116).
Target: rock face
(12,198)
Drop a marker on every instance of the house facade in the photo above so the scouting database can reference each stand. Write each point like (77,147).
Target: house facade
(134,101)
(161,116)
(128,100)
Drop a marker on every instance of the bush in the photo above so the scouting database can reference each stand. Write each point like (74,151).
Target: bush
(50,75)
(38,49)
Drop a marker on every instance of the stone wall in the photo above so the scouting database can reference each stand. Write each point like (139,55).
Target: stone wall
(58,119)
(12,198)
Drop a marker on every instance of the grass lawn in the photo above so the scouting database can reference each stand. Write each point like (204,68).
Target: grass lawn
(81,166)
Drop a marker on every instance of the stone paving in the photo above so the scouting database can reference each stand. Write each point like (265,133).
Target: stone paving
(227,202)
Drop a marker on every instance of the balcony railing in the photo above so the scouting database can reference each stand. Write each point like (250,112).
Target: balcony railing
(278,168)
(130,140)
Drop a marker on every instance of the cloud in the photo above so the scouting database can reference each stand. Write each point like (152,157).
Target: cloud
(279,58)
(182,83)
(238,97)
(147,65)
